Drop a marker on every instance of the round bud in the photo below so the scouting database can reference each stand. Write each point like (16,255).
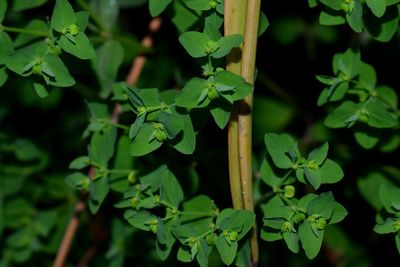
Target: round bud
(73,29)
(321,222)
(37,69)
(212,93)
(211,239)
(289,191)
(299,217)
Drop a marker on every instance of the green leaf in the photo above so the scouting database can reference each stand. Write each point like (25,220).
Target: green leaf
(311,243)
(343,115)
(365,139)
(330,172)
(226,44)
(263,24)
(292,241)
(19,5)
(354,18)
(322,205)
(319,154)
(349,63)
(106,10)
(203,252)
(240,221)
(331,17)
(79,163)
(184,254)
(198,4)
(339,213)
(241,88)
(225,250)
(158,6)
(312,3)
(139,219)
(383,29)
(275,208)
(189,96)
(171,190)
(82,19)
(268,175)
(333,4)
(141,145)
(390,198)
(63,15)
(386,228)
(379,116)
(62,76)
(388,95)
(6,46)
(378,7)
(34,25)
(199,208)
(368,186)
(82,48)
(185,142)
(313,177)
(98,191)
(397,240)
(108,59)
(78,181)
(3,75)
(182,16)
(40,90)
(282,148)
(367,77)
(122,161)
(172,123)
(221,112)
(195,43)
(3,10)
(102,145)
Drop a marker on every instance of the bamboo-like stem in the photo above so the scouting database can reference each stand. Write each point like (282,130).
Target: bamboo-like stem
(245,114)
(234,21)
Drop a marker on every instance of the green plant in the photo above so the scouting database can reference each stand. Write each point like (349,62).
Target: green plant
(149,172)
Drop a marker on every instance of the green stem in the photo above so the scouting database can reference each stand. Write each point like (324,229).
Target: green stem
(245,115)
(119,171)
(23,30)
(93,16)
(234,21)
(118,125)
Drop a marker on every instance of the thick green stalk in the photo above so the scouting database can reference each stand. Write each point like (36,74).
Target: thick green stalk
(245,114)
(234,21)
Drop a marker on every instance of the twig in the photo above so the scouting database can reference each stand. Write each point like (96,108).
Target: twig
(132,78)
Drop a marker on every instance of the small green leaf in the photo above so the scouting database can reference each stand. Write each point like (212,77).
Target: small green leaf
(141,145)
(3,10)
(82,48)
(221,112)
(203,252)
(384,28)
(333,4)
(263,24)
(79,163)
(282,148)
(40,90)
(189,96)
(102,146)
(108,59)
(311,243)
(63,15)
(319,154)
(339,213)
(34,25)
(387,227)
(226,79)
(201,5)
(185,142)
(171,190)
(158,6)
(139,219)
(268,175)
(292,241)
(330,172)
(390,197)
(195,43)
(397,240)
(378,7)
(98,191)
(19,5)
(3,75)
(313,177)
(388,95)
(354,18)
(367,77)
(322,205)
(78,181)
(343,115)
(62,76)
(184,254)
(226,44)
(225,250)
(329,18)
(379,116)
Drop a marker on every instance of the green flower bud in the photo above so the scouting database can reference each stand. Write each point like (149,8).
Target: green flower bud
(211,239)
(321,222)
(364,114)
(211,47)
(134,202)
(396,225)
(141,111)
(153,225)
(289,191)
(159,132)
(312,165)
(286,227)
(213,4)
(299,217)
(37,69)
(212,93)
(132,177)
(73,29)
(231,236)
(56,50)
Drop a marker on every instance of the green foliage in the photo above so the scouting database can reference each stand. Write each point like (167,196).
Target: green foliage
(149,153)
